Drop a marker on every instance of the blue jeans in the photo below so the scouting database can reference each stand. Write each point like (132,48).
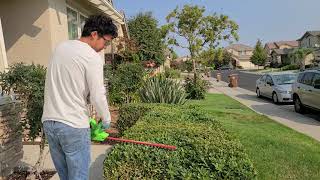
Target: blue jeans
(69,149)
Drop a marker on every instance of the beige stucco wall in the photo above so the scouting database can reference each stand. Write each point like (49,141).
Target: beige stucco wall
(58,21)
(249,53)
(26,30)
(285,47)
(309,58)
(3,54)
(32,29)
(246,64)
(238,53)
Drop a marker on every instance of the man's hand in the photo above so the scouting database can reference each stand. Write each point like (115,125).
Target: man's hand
(105,125)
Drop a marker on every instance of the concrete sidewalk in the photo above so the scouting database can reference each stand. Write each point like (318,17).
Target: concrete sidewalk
(98,154)
(280,113)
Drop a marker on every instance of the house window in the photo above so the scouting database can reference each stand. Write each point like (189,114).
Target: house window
(309,42)
(82,22)
(76,22)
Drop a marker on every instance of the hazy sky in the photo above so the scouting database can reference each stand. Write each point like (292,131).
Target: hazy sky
(269,20)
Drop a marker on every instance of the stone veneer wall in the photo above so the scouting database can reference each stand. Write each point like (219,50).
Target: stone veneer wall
(10,138)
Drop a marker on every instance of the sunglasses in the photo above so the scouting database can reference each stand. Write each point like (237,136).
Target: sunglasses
(107,42)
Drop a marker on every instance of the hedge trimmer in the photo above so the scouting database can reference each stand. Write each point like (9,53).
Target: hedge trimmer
(98,134)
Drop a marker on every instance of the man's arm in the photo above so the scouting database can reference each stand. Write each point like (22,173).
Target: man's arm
(98,98)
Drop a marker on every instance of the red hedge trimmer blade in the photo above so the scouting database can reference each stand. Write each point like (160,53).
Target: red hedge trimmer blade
(163,146)
(99,135)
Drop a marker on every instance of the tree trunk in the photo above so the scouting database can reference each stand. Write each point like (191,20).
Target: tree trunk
(194,67)
(302,64)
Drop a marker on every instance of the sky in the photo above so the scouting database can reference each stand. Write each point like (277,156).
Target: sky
(268,20)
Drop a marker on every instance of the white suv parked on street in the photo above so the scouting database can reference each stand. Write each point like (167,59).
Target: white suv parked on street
(306,91)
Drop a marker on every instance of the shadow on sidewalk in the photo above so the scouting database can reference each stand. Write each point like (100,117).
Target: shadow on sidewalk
(96,167)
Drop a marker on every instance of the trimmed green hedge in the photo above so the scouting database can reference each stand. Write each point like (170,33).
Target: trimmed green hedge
(290,67)
(172,73)
(205,149)
(129,114)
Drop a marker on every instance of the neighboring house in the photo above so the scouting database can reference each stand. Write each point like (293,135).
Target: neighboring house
(182,59)
(32,29)
(241,55)
(281,56)
(167,58)
(278,51)
(311,39)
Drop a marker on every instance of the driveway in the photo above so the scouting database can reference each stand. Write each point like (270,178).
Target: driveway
(247,81)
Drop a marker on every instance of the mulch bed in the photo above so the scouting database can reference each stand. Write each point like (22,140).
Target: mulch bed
(45,175)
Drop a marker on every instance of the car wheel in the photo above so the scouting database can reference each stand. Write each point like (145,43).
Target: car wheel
(275,98)
(298,106)
(258,92)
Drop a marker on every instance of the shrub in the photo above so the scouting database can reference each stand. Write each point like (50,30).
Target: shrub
(204,149)
(129,115)
(172,73)
(27,82)
(160,89)
(290,67)
(188,66)
(274,64)
(176,65)
(196,89)
(124,82)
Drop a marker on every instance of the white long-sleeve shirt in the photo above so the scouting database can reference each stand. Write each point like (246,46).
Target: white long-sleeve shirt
(75,71)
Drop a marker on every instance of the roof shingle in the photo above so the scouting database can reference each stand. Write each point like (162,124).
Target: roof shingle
(239,47)
(277,44)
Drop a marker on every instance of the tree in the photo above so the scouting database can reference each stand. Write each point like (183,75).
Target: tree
(227,57)
(299,56)
(218,58)
(144,31)
(127,50)
(259,56)
(174,54)
(215,57)
(202,33)
(207,57)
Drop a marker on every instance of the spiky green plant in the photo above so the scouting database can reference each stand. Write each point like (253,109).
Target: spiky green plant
(159,89)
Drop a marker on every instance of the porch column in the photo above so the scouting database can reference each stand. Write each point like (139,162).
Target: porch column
(3,54)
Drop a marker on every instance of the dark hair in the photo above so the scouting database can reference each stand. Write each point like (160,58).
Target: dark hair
(100,23)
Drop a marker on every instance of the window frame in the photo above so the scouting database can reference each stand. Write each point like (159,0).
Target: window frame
(268,76)
(305,75)
(300,77)
(313,79)
(79,14)
(263,78)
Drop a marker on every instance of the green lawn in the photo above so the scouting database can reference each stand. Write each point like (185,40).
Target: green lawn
(277,152)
